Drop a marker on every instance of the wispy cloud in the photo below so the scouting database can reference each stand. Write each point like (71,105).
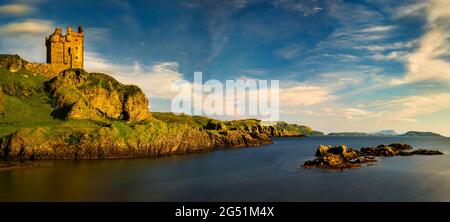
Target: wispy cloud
(304,95)
(388,46)
(290,51)
(29,26)
(154,80)
(307,8)
(410,107)
(26,38)
(354,113)
(391,56)
(417,9)
(426,63)
(15,9)
(378,28)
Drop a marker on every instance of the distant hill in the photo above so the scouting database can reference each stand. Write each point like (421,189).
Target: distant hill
(387,133)
(300,129)
(424,134)
(348,134)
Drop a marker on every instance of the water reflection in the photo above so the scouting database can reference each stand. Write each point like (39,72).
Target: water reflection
(269,173)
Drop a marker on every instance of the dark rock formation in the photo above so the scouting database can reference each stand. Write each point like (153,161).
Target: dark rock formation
(335,157)
(400,146)
(420,152)
(342,157)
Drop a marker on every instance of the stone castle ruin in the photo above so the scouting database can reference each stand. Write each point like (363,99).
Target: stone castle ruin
(65,51)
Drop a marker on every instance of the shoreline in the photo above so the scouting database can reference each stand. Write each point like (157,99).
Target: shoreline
(20,164)
(10,165)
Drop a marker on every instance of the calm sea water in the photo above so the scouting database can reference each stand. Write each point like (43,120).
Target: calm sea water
(267,173)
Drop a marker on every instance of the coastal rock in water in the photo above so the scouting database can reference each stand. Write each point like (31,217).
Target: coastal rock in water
(400,146)
(420,152)
(322,150)
(393,149)
(341,157)
(381,150)
(334,157)
(364,159)
(330,161)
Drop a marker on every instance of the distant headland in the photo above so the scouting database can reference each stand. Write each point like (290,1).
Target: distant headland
(388,133)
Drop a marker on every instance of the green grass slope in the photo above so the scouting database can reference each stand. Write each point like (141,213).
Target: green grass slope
(25,103)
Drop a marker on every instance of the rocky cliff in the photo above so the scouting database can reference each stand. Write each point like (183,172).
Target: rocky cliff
(77,94)
(81,115)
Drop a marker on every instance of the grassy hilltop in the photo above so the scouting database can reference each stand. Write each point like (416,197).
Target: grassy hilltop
(81,115)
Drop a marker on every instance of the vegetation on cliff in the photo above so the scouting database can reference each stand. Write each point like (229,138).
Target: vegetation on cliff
(81,115)
(300,129)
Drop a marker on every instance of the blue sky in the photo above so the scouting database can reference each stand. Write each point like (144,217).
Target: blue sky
(343,65)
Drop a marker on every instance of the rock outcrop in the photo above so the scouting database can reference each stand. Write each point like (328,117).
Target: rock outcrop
(78,94)
(336,157)
(13,63)
(342,157)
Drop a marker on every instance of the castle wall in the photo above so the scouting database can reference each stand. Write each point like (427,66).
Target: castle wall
(66,51)
(45,69)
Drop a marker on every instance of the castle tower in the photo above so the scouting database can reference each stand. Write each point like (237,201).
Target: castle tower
(65,51)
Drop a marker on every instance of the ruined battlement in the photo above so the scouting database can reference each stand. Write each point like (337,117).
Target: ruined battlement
(65,51)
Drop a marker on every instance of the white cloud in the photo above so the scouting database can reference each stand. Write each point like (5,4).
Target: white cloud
(354,113)
(154,80)
(410,107)
(426,63)
(394,55)
(378,28)
(26,38)
(411,10)
(15,9)
(29,26)
(305,95)
(390,46)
